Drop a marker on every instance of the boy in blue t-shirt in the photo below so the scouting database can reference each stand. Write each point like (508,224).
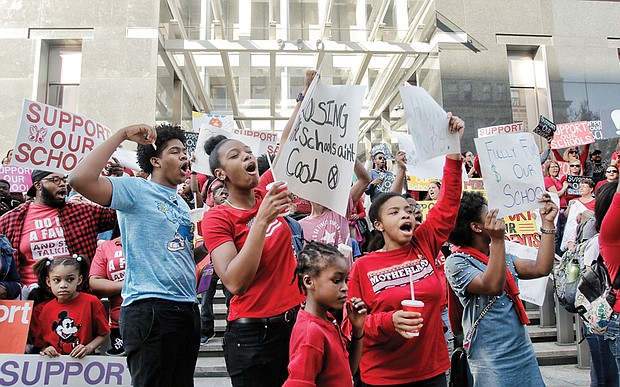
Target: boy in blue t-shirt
(159,320)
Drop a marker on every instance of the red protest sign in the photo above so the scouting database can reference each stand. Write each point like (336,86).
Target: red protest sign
(14,322)
(55,140)
(572,134)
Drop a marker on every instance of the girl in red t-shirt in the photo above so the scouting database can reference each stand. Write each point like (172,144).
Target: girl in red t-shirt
(74,323)
(320,354)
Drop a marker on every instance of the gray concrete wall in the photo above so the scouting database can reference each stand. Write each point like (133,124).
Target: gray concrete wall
(119,74)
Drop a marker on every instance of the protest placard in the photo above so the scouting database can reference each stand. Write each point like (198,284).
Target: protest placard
(500,129)
(572,134)
(415,183)
(522,228)
(529,290)
(425,207)
(18,177)
(191,139)
(511,172)
(573,184)
(14,322)
(318,157)
(473,185)
(39,371)
(428,126)
(127,158)
(55,140)
(596,128)
(546,129)
(610,123)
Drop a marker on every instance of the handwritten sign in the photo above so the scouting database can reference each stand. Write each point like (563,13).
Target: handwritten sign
(500,129)
(573,184)
(546,129)
(14,322)
(55,140)
(428,125)
(191,139)
(596,128)
(18,177)
(511,172)
(415,183)
(522,228)
(39,371)
(318,157)
(572,134)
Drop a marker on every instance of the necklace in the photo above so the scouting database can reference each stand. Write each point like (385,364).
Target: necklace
(235,207)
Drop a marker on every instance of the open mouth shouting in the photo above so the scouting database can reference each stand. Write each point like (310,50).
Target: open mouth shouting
(251,168)
(184,167)
(407,227)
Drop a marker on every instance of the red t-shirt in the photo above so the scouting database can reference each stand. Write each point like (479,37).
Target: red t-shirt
(109,262)
(67,325)
(42,236)
(600,184)
(318,353)
(273,290)
(609,242)
(557,183)
(381,280)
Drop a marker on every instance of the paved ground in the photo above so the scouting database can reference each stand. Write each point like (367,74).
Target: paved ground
(555,376)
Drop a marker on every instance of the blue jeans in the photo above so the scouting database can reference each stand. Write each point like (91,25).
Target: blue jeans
(611,338)
(257,354)
(161,339)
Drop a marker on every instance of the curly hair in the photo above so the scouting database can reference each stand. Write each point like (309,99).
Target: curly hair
(43,267)
(165,133)
(313,258)
(470,210)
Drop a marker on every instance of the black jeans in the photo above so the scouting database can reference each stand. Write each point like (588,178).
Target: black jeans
(161,339)
(257,354)
(435,381)
(207,318)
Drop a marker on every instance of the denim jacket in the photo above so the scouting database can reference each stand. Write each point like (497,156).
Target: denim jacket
(9,277)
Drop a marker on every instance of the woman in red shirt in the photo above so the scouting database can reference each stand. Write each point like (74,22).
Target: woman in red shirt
(393,354)
(611,174)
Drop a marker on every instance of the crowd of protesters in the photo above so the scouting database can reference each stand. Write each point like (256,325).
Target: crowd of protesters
(314,302)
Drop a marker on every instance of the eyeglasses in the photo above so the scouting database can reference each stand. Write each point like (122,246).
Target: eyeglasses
(612,171)
(56,180)
(575,166)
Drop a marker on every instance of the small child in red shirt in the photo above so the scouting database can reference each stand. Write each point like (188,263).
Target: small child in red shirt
(320,354)
(74,323)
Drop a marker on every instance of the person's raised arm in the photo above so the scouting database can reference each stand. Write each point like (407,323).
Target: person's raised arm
(492,281)
(237,269)
(86,177)
(528,269)
(291,121)
(363,179)
(401,161)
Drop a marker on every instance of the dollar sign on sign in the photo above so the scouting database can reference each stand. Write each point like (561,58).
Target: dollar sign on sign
(498,177)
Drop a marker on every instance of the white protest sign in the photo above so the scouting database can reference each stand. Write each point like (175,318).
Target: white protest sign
(511,172)
(53,139)
(428,125)
(127,158)
(500,129)
(39,371)
(318,157)
(529,290)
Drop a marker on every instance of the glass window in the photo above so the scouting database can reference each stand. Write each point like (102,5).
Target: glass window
(63,76)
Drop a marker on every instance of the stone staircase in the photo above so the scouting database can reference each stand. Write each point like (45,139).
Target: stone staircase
(211,363)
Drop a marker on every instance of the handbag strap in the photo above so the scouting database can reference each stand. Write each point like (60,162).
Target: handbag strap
(484,311)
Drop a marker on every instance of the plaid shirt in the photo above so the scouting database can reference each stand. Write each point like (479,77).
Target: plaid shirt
(81,222)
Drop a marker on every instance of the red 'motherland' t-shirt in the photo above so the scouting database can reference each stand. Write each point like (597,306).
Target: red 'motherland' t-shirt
(609,242)
(109,263)
(318,353)
(274,288)
(42,236)
(67,325)
(381,280)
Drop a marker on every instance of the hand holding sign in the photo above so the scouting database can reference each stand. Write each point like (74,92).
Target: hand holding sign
(142,134)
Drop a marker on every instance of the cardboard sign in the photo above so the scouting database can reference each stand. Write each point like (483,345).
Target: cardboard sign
(572,134)
(546,129)
(415,183)
(39,371)
(191,139)
(127,158)
(428,126)
(14,322)
(522,228)
(318,157)
(55,140)
(473,185)
(18,177)
(500,129)
(511,172)
(573,184)
(208,125)
(529,290)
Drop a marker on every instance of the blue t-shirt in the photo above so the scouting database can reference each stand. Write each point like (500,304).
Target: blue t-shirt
(500,352)
(157,241)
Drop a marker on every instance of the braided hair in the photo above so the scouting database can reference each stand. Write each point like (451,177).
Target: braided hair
(313,258)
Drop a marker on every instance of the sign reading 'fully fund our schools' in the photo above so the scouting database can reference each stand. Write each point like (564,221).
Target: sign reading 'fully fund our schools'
(55,140)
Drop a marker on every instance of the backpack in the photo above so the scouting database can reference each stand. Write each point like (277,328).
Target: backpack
(596,296)
(567,274)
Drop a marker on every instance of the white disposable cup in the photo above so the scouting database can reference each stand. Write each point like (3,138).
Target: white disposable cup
(283,187)
(412,306)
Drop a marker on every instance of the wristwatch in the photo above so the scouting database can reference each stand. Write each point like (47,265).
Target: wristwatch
(300,97)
